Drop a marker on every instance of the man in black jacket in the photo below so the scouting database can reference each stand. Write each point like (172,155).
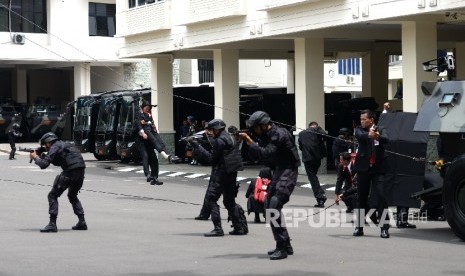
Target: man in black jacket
(67,156)
(370,166)
(149,139)
(226,161)
(312,145)
(278,150)
(345,181)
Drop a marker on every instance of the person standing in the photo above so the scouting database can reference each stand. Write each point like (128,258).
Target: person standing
(370,166)
(312,145)
(66,155)
(149,132)
(13,135)
(279,151)
(226,161)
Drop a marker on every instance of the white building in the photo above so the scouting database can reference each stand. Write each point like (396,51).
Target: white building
(60,50)
(304,32)
(69,48)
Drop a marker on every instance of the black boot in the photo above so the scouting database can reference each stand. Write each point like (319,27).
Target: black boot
(81,225)
(287,244)
(402,218)
(201,217)
(216,232)
(155,181)
(358,231)
(384,233)
(238,231)
(257,218)
(50,227)
(280,252)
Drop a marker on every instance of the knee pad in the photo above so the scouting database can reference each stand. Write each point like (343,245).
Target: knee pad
(275,203)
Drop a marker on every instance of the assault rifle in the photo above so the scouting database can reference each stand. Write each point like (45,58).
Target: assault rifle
(39,151)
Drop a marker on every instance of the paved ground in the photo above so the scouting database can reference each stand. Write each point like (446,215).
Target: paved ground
(139,229)
(327,180)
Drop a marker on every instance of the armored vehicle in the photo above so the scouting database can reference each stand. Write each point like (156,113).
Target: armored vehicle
(85,120)
(107,123)
(126,136)
(43,118)
(443,111)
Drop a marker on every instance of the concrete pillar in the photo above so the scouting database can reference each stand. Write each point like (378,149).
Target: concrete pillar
(419,44)
(20,95)
(162,96)
(309,86)
(81,79)
(162,93)
(460,60)
(226,75)
(375,74)
(290,77)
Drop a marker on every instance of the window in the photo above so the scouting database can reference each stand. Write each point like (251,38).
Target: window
(350,66)
(27,16)
(102,19)
(137,3)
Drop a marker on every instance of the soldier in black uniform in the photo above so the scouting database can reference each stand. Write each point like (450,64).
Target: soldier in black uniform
(13,135)
(226,161)
(279,151)
(64,154)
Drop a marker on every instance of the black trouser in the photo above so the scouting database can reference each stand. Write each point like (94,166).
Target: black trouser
(222,183)
(149,159)
(350,202)
(281,187)
(71,180)
(156,141)
(402,214)
(206,208)
(311,167)
(13,149)
(371,183)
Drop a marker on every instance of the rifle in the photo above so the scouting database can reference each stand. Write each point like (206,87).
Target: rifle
(39,151)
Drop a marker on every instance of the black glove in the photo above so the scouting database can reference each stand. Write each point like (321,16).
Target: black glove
(192,142)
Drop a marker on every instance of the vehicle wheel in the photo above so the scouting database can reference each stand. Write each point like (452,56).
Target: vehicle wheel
(99,157)
(453,196)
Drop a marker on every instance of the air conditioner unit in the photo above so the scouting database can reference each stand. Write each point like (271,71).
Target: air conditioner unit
(19,39)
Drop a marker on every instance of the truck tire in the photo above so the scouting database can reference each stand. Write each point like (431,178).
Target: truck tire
(453,196)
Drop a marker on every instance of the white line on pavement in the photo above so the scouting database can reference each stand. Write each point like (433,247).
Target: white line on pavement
(176,174)
(195,175)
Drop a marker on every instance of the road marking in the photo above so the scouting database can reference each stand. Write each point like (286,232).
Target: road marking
(126,169)
(240,178)
(162,172)
(195,175)
(140,171)
(331,189)
(176,174)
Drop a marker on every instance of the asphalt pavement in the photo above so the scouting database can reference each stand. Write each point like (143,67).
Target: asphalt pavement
(327,180)
(139,229)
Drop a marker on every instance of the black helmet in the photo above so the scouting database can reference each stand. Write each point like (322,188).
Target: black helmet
(15,126)
(47,138)
(258,118)
(216,124)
